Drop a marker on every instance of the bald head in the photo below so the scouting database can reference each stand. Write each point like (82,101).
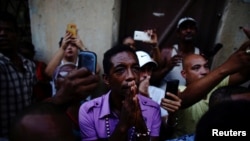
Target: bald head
(195,67)
(187,60)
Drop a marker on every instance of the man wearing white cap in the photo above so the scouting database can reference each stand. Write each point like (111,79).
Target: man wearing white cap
(186,33)
(147,64)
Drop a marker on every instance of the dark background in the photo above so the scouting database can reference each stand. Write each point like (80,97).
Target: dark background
(138,15)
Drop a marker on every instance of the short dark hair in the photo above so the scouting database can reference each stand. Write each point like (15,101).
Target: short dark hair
(113,51)
(8,17)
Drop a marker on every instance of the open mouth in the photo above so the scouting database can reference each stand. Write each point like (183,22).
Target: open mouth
(69,52)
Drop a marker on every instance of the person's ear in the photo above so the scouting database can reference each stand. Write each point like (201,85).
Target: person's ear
(184,74)
(105,78)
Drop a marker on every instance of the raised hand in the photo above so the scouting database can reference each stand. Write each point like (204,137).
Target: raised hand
(76,86)
(153,36)
(66,40)
(240,59)
(78,42)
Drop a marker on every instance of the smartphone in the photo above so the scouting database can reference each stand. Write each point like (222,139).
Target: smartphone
(141,36)
(172,86)
(72,28)
(87,59)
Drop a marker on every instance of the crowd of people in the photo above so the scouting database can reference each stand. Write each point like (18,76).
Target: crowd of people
(52,102)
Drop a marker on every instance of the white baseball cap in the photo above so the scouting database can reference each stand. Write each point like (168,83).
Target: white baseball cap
(144,58)
(185,19)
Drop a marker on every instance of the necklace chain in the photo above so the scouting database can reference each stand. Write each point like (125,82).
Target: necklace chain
(107,125)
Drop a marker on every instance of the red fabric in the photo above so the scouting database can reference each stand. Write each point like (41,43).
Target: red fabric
(43,88)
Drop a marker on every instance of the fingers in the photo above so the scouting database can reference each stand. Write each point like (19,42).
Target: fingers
(152,34)
(133,88)
(79,73)
(173,96)
(175,60)
(245,45)
(83,77)
(78,42)
(171,105)
(66,40)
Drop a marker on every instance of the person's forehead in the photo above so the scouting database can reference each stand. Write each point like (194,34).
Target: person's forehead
(123,57)
(187,23)
(30,121)
(123,54)
(195,60)
(71,44)
(198,61)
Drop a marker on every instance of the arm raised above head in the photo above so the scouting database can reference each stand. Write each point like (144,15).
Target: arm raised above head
(232,67)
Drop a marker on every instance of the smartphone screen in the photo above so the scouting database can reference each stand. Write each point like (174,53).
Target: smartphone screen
(88,60)
(141,36)
(172,86)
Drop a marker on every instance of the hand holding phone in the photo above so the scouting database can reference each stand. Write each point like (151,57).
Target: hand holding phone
(87,59)
(141,36)
(72,28)
(172,87)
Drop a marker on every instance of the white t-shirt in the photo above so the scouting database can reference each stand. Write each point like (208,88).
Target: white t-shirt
(175,73)
(156,94)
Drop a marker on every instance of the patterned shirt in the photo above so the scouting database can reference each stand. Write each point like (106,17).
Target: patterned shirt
(16,90)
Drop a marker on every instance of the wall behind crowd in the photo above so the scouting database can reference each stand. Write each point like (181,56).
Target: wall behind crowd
(97,21)
(236,14)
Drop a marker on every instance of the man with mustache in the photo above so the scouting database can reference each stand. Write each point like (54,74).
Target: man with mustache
(120,114)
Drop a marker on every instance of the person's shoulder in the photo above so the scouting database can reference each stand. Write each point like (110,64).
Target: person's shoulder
(147,102)
(3,59)
(27,62)
(156,90)
(182,88)
(93,103)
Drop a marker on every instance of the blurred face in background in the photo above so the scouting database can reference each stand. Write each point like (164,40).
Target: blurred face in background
(187,31)
(71,51)
(8,36)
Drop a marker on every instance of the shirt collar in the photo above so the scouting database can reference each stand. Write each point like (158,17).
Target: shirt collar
(105,108)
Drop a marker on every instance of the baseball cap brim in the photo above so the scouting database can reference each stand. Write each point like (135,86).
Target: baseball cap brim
(184,20)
